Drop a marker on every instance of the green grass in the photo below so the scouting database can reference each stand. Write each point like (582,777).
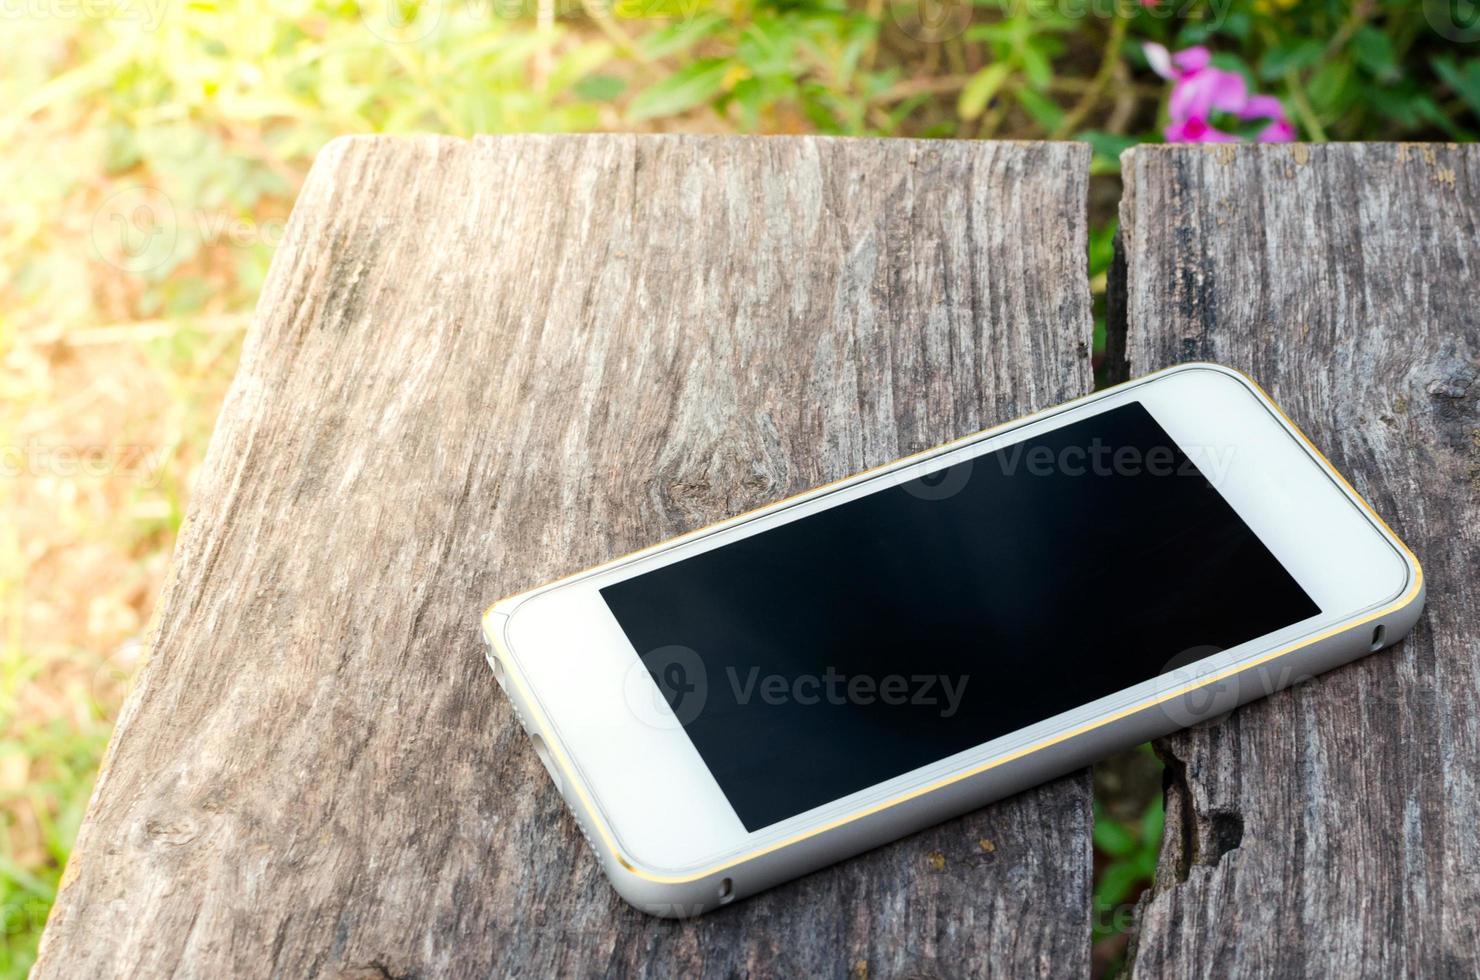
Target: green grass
(59,757)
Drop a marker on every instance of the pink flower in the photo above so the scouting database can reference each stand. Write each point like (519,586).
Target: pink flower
(1262,107)
(1268,107)
(1279,131)
(1174,66)
(1197,131)
(1198,93)
(1199,90)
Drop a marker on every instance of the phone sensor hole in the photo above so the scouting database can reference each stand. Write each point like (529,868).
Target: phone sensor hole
(1377,637)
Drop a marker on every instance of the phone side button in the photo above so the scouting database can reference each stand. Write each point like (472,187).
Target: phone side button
(494,664)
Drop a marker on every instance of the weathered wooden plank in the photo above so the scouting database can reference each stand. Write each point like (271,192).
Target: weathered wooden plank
(478,366)
(1330,830)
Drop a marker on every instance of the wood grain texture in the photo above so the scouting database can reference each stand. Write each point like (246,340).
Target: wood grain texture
(481,365)
(1330,830)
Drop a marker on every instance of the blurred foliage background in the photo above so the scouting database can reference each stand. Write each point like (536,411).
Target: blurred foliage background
(154,147)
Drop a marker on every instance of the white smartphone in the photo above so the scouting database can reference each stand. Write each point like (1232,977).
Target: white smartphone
(755,700)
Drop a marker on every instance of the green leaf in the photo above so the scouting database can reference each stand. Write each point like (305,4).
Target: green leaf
(600,88)
(652,9)
(1194,32)
(1238,24)
(1425,109)
(1045,112)
(749,95)
(1327,85)
(1117,882)
(765,47)
(1101,247)
(578,63)
(1035,65)
(1396,105)
(120,149)
(1375,53)
(690,86)
(1009,33)
(1292,56)
(1107,149)
(1465,82)
(1231,62)
(980,88)
(1113,837)
(1152,822)
(679,37)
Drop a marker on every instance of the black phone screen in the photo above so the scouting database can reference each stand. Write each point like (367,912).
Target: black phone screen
(850,646)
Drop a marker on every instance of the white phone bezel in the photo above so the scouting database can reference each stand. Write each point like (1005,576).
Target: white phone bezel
(646,783)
